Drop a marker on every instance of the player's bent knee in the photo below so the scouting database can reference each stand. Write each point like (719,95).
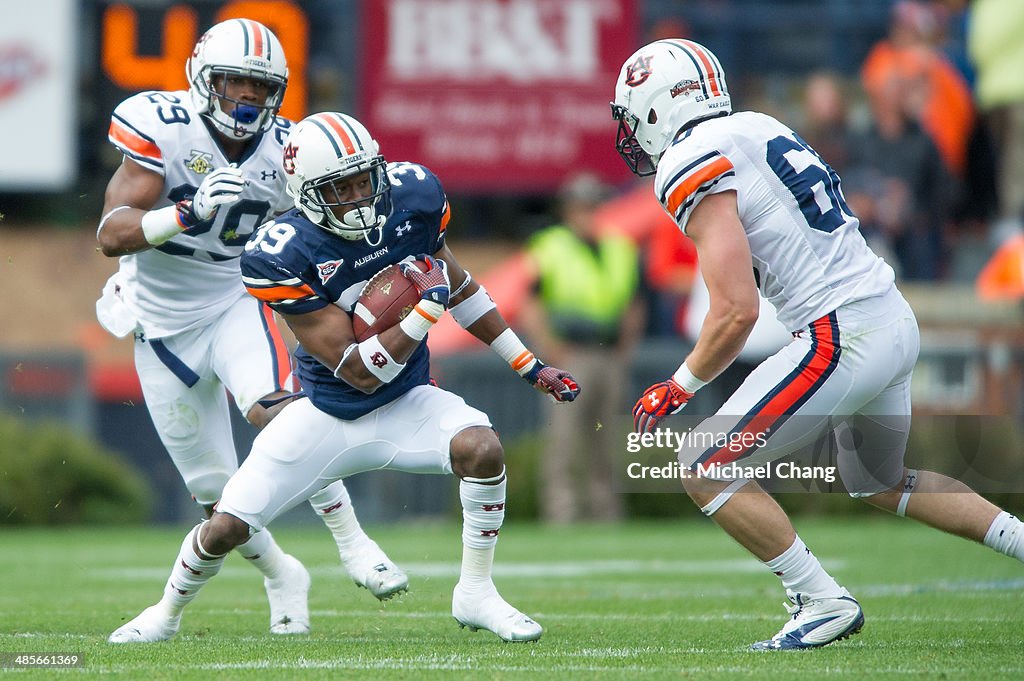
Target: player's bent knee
(712,497)
(477,453)
(895,499)
(223,532)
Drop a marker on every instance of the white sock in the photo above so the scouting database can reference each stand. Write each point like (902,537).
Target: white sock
(476,567)
(334,506)
(801,572)
(189,574)
(483,512)
(1006,535)
(262,551)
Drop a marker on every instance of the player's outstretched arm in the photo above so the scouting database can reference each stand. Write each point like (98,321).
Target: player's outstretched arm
(474,310)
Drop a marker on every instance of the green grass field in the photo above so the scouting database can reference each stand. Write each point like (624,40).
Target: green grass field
(639,601)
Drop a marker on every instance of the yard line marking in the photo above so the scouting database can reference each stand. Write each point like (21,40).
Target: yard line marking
(624,616)
(555,569)
(942,586)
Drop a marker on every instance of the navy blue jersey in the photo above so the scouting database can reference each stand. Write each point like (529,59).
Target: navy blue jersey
(298,267)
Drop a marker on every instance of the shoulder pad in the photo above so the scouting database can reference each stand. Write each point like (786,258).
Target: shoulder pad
(686,173)
(143,124)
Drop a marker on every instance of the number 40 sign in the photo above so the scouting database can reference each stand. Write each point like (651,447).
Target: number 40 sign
(131,68)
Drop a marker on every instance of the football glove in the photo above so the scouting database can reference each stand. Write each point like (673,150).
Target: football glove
(432,284)
(558,384)
(658,401)
(222,186)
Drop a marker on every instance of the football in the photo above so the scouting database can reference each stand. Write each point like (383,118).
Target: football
(385,300)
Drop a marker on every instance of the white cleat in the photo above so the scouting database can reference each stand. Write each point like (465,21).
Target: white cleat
(488,610)
(816,622)
(289,599)
(371,569)
(150,626)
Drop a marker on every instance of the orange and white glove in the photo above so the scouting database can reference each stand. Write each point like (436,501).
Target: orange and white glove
(658,401)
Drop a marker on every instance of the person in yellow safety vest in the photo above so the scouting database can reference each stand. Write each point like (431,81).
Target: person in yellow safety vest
(583,312)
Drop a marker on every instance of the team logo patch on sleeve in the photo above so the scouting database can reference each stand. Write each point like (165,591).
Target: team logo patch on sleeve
(328,269)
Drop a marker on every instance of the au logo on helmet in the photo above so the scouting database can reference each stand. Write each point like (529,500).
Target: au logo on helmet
(289,158)
(639,71)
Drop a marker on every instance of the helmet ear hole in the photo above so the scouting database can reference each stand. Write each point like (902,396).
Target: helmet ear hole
(652,117)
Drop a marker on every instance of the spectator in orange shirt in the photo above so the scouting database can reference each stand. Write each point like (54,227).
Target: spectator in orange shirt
(941,97)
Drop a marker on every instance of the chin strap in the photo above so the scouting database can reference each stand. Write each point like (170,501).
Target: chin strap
(380,233)
(356,219)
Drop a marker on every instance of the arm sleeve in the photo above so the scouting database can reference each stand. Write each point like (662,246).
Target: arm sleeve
(133,130)
(271,281)
(430,201)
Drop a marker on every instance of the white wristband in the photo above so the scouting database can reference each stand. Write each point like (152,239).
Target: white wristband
(161,224)
(378,360)
(420,319)
(472,308)
(686,380)
(512,350)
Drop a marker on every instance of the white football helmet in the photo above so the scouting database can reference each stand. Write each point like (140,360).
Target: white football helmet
(324,149)
(237,47)
(663,87)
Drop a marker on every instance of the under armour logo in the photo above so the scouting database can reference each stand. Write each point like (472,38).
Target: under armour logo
(268,174)
(402,229)
(653,399)
(379,360)
(489,533)
(493,507)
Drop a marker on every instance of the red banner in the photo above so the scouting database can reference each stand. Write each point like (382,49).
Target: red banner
(496,95)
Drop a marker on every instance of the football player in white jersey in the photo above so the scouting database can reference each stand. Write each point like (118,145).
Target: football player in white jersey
(767,213)
(201,170)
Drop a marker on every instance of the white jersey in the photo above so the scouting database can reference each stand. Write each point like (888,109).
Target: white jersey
(809,257)
(193,278)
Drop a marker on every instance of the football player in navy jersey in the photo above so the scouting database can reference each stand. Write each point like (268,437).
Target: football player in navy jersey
(370,405)
(201,169)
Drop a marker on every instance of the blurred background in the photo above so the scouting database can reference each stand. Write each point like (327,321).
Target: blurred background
(919,104)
